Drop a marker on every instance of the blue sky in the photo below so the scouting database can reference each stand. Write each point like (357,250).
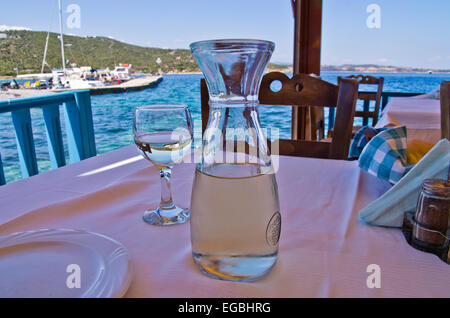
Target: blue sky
(412,32)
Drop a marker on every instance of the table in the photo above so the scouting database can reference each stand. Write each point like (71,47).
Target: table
(421,116)
(324,249)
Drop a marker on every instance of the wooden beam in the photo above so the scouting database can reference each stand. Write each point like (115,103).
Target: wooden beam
(79,127)
(54,135)
(445,110)
(2,173)
(25,142)
(307,48)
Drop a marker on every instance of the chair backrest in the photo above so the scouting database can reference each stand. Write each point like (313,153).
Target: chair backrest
(445,106)
(368,97)
(303,91)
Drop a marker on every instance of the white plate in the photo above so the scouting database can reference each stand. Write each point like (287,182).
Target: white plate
(37,264)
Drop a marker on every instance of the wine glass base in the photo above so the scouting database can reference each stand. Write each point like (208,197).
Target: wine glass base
(164,217)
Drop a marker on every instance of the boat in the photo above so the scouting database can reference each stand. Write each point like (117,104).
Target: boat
(134,84)
(121,72)
(99,81)
(44,86)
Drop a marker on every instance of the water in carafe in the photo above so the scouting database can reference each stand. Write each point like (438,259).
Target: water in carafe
(235,213)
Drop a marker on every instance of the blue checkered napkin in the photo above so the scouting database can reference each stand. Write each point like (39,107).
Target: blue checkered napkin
(361,139)
(385,155)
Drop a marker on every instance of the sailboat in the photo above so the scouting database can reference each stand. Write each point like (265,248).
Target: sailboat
(76,78)
(70,79)
(64,78)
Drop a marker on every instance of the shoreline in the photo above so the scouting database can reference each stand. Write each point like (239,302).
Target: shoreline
(136,84)
(289,70)
(5,78)
(350,72)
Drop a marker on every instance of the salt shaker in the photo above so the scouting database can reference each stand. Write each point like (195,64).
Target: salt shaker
(432,218)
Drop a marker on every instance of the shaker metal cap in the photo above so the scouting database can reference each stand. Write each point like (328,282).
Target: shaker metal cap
(437,187)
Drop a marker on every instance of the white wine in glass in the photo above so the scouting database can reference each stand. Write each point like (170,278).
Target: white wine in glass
(163,149)
(163,135)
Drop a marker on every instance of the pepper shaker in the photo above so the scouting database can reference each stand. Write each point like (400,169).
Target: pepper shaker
(432,218)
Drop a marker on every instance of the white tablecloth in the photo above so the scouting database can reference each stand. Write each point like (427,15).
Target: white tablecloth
(324,249)
(421,116)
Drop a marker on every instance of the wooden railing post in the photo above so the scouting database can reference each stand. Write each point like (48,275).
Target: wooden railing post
(54,135)
(83,100)
(80,129)
(2,173)
(25,143)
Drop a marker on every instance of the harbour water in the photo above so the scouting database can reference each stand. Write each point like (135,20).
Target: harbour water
(113,114)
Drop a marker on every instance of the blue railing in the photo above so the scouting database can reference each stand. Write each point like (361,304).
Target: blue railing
(79,126)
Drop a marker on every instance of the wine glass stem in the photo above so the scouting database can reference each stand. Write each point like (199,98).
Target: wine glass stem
(166,194)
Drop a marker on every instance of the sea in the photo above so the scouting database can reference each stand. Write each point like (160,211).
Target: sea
(113,113)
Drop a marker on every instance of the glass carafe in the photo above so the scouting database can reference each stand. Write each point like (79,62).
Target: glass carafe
(235,214)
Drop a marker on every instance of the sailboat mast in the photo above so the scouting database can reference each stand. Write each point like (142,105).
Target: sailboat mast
(61,36)
(45,53)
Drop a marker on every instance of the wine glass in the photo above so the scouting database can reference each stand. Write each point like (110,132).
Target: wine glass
(163,135)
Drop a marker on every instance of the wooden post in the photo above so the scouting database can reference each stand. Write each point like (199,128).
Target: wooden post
(80,130)
(445,109)
(307,47)
(2,173)
(54,135)
(25,142)
(83,100)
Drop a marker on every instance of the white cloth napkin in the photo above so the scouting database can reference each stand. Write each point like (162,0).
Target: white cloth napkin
(388,210)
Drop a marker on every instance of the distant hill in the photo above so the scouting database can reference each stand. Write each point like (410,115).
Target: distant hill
(25,50)
(372,68)
(364,68)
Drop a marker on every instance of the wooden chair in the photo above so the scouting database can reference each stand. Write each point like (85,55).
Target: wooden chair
(445,106)
(302,91)
(366,114)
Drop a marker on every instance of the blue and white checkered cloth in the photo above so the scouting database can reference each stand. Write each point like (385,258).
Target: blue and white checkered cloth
(362,138)
(385,155)
(389,209)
